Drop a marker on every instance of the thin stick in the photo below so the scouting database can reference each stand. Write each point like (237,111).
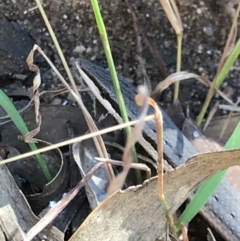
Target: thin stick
(74,140)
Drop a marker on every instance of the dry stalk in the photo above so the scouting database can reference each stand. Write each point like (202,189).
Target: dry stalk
(159,130)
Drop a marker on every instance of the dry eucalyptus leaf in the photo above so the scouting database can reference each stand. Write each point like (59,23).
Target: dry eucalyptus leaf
(137,213)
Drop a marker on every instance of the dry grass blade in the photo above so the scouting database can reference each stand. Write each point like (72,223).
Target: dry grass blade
(139,166)
(74,140)
(230,41)
(210,236)
(175,77)
(29,138)
(229,107)
(36,81)
(183,75)
(53,212)
(227,121)
(92,127)
(118,182)
(230,44)
(159,130)
(173,15)
(143,158)
(211,114)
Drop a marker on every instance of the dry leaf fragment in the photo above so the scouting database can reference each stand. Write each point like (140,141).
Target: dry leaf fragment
(183,75)
(36,83)
(137,214)
(175,77)
(118,182)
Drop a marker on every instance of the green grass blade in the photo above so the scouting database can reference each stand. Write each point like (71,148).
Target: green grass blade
(112,69)
(209,186)
(7,105)
(228,65)
(220,77)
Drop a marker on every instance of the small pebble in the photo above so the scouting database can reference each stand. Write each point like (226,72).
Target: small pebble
(79,49)
(56,101)
(199,11)
(208,30)
(89,50)
(196,134)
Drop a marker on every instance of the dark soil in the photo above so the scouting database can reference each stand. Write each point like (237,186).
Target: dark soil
(206,27)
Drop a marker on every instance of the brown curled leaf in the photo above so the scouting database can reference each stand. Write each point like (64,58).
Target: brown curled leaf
(36,83)
(183,75)
(175,77)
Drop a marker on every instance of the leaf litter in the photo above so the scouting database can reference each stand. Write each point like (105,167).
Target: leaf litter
(116,185)
(128,167)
